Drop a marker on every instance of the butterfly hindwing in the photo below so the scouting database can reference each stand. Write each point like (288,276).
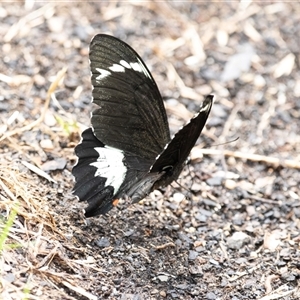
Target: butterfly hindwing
(90,187)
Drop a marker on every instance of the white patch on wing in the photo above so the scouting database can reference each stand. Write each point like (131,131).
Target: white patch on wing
(103,73)
(110,165)
(117,68)
(139,67)
(136,67)
(125,64)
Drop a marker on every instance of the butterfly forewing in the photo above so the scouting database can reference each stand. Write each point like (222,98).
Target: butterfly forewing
(174,156)
(131,114)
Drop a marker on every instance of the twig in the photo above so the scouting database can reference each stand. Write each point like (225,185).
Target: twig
(268,282)
(164,246)
(262,199)
(224,250)
(279,294)
(273,161)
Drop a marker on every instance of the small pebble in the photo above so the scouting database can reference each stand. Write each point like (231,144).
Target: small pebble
(163,278)
(163,293)
(193,254)
(211,296)
(230,184)
(47,144)
(214,181)
(103,242)
(237,240)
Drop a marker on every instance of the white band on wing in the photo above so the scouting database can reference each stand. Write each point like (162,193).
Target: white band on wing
(110,165)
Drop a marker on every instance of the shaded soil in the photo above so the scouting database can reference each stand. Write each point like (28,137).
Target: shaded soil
(230,230)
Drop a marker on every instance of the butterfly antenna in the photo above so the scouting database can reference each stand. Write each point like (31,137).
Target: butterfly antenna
(225,143)
(184,188)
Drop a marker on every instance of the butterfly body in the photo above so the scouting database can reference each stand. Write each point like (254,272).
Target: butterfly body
(128,150)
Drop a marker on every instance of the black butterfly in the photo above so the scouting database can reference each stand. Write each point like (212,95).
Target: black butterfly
(128,151)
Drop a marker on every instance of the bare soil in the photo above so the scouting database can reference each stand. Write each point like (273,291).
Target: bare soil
(230,230)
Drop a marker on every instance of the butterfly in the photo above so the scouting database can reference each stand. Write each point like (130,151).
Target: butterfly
(127,151)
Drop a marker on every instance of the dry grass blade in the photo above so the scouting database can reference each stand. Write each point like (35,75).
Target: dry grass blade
(37,171)
(278,293)
(36,235)
(27,19)
(79,290)
(7,191)
(51,90)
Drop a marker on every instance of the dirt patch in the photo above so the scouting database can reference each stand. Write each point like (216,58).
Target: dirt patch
(230,231)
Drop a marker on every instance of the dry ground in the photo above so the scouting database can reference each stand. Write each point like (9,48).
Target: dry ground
(231,231)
